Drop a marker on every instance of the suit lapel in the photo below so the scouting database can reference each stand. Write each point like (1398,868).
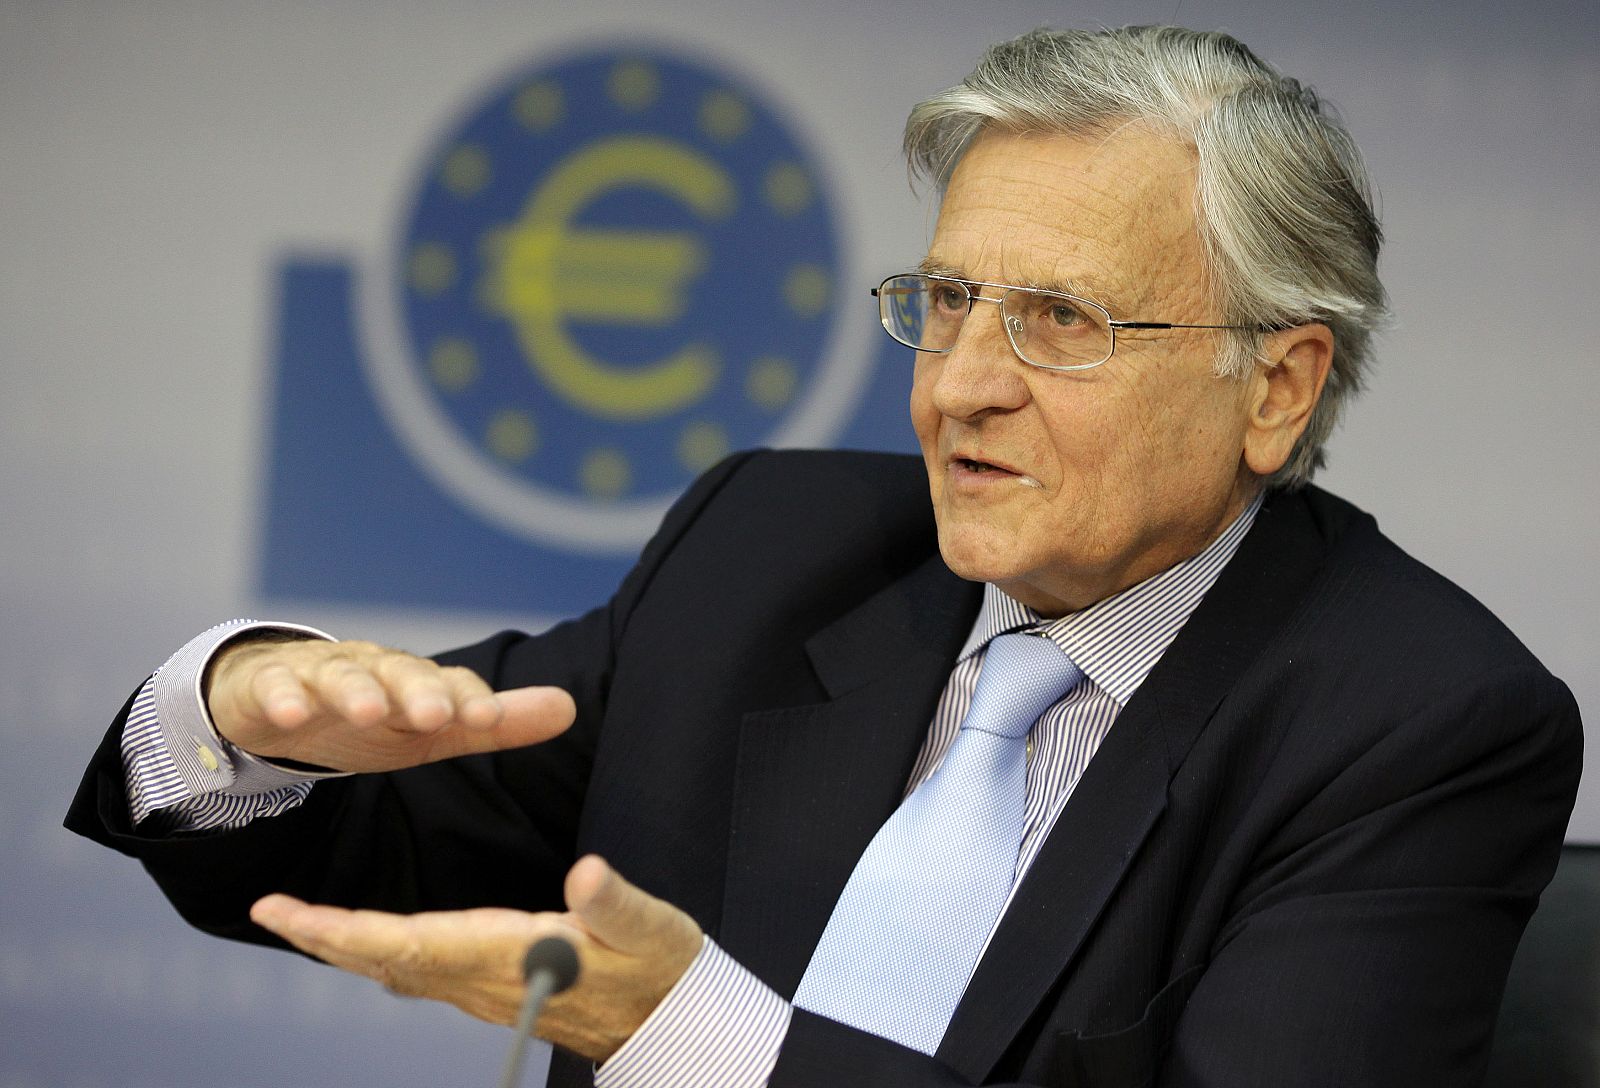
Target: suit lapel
(1124,789)
(814,783)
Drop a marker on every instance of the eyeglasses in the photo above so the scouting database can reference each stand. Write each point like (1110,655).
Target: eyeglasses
(1047,330)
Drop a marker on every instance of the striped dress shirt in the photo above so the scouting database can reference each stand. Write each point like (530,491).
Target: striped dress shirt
(719,1024)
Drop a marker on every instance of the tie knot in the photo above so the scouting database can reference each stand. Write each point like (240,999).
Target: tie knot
(1022,675)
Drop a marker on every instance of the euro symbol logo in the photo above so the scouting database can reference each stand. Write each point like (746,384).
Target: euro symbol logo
(617,268)
(545,273)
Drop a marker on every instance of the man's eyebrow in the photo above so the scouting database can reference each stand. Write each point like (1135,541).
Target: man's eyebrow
(929,267)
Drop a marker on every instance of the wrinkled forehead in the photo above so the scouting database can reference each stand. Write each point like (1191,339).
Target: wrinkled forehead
(1110,216)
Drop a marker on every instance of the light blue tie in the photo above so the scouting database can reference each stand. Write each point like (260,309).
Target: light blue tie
(908,927)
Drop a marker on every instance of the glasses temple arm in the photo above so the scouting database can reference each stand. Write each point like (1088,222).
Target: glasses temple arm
(1173,325)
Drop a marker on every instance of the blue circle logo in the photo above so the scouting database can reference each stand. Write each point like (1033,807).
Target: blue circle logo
(616,270)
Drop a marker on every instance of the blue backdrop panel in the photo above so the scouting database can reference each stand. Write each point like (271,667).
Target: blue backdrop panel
(352,519)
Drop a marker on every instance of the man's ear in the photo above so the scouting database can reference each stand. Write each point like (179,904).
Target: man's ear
(1283,392)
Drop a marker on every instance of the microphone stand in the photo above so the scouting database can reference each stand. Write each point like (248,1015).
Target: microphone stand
(550,966)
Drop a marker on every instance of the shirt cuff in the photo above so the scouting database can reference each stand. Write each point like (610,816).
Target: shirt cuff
(201,757)
(718,1025)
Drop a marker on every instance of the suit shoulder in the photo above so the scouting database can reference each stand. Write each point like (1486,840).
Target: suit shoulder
(1373,589)
(1387,666)
(802,511)
(888,475)
(830,491)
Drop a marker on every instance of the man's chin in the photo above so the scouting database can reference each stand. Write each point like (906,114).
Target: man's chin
(990,556)
(975,556)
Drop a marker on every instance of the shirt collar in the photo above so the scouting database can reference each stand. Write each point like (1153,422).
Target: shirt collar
(1117,641)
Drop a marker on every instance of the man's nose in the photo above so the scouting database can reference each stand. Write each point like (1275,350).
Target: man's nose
(981,372)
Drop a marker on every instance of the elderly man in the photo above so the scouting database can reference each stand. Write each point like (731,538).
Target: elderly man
(1140,761)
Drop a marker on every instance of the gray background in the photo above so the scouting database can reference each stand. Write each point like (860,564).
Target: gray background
(157,159)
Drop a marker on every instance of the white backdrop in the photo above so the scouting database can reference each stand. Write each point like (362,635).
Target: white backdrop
(157,159)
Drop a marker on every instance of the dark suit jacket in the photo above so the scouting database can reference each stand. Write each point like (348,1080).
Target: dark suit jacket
(1302,856)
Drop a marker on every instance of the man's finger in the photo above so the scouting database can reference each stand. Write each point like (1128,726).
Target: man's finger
(527,716)
(353,693)
(430,954)
(280,696)
(295,922)
(365,942)
(366,932)
(624,917)
(476,706)
(421,692)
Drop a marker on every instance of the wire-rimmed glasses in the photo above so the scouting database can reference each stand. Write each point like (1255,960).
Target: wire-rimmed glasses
(1048,330)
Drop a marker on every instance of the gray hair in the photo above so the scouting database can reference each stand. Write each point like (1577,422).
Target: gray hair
(1282,198)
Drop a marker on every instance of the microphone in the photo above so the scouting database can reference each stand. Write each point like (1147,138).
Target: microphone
(550,966)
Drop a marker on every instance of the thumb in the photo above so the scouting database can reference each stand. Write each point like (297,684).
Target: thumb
(527,716)
(620,915)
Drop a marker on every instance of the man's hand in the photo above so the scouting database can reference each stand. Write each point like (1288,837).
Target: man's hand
(357,706)
(632,949)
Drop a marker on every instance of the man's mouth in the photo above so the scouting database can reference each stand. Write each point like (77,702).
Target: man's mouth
(988,468)
(979,466)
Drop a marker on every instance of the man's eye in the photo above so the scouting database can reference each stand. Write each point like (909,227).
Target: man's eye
(947,298)
(1064,314)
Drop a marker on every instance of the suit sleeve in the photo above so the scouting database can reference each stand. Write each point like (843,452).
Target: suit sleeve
(487,829)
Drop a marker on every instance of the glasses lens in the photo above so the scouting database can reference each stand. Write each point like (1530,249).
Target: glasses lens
(922,311)
(1057,330)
